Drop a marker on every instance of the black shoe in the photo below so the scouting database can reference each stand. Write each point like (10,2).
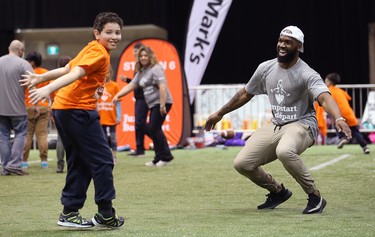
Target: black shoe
(342,143)
(275,199)
(136,153)
(60,169)
(366,150)
(74,219)
(315,204)
(111,222)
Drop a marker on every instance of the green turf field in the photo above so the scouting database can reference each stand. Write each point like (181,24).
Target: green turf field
(200,194)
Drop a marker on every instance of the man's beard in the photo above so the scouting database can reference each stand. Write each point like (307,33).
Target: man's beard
(288,57)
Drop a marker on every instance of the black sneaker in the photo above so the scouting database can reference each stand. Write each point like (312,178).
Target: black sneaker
(136,153)
(275,199)
(315,204)
(74,219)
(111,222)
(342,143)
(366,150)
(60,169)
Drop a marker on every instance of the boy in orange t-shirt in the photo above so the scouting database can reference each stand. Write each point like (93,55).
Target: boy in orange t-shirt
(342,99)
(110,114)
(80,84)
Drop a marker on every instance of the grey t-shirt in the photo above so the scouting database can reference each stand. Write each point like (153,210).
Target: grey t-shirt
(12,95)
(291,91)
(149,79)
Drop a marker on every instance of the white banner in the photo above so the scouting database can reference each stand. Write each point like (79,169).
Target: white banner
(206,19)
(368,118)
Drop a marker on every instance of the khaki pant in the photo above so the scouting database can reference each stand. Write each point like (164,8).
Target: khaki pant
(38,126)
(273,142)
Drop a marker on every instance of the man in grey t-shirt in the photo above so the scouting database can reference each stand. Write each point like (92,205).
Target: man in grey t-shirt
(13,116)
(292,87)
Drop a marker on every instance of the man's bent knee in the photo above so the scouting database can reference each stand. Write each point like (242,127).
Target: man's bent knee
(242,166)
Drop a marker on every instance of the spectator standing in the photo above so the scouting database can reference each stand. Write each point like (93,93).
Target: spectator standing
(110,114)
(140,112)
(80,84)
(38,117)
(13,115)
(151,77)
(342,99)
(292,87)
(60,150)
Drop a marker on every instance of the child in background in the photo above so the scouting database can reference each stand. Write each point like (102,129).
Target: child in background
(342,99)
(110,114)
(38,117)
(60,150)
(322,124)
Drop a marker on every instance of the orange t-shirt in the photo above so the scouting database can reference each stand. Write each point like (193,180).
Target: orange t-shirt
(322,124)
(38,70)
(107,111)
(85,91)
(342,99)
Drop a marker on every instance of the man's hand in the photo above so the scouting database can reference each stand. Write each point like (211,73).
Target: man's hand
(342,126)
(212,121)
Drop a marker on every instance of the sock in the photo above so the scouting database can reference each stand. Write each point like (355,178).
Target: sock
(105,209)
(68,210)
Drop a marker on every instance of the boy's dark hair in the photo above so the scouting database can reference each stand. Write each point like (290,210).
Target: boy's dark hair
(35,57)
(106,17)
(334,78)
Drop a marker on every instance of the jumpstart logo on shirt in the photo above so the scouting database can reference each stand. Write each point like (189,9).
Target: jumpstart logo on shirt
(98,92)
(280,95)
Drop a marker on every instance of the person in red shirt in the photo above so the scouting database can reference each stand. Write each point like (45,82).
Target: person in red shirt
(110,114)
(342,99)
(38,117)
(80,84)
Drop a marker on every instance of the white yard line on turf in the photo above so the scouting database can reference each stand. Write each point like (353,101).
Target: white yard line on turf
(321,166)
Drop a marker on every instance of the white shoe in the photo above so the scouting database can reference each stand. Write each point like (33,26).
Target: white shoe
(150,164)
(162,163)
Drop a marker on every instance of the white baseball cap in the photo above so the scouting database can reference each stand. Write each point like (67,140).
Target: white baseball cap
(294,32)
